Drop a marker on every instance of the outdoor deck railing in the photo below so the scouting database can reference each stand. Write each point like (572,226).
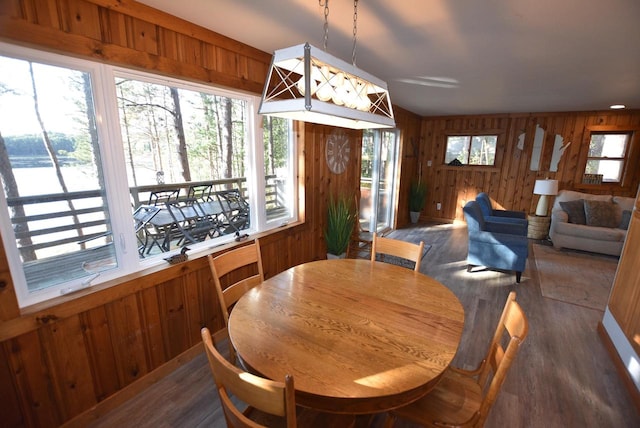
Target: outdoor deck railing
(71,221)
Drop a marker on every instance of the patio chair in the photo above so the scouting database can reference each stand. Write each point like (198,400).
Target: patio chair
(201,192)
(235,211)
(161,197)
(191,223)
(144,231)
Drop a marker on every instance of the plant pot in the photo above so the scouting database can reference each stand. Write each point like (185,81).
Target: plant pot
(339,256)
(415,216)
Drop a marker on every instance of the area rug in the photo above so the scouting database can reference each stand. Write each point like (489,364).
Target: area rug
(578,278)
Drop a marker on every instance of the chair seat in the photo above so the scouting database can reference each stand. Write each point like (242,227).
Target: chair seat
(454,400)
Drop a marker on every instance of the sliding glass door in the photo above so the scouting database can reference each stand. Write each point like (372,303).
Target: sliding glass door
(377,179)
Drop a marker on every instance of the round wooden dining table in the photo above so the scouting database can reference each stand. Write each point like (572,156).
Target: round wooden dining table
(357,336)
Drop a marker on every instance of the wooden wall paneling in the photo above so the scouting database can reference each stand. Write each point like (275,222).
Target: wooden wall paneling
(65,350)
(12,8)
(43,12)
(10,411)
(128,339)
(624,301)
(80,17)
(154,339)
(8,300)
(33,381)
(97,337)
(194,316)
(114,28)
(173,315)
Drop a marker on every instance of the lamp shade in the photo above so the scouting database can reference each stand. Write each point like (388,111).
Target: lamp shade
(307,84)
(546,187)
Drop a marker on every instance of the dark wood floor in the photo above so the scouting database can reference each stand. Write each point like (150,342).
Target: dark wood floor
(562,377)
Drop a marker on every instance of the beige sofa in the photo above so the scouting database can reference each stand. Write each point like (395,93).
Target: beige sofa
(601,230)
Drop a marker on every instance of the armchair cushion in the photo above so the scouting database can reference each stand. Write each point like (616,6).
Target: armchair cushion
(487,209)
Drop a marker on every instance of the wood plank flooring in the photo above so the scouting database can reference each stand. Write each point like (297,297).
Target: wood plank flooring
(562,377)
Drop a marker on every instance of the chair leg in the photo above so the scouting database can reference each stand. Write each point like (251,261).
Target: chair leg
(518,277)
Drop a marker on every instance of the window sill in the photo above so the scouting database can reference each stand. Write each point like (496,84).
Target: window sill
(96,295)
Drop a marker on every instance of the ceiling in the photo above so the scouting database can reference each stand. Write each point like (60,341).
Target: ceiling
(449,57)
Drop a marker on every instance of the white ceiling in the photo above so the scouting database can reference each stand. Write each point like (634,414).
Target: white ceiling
(446,57)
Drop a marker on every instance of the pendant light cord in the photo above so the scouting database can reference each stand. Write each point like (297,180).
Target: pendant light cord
(355,30)
(326,21)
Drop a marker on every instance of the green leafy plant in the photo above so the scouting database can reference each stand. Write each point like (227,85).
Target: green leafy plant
(341,219)
(417,196)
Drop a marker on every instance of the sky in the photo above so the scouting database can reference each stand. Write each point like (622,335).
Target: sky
(17,113)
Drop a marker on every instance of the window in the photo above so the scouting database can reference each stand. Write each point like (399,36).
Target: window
(471,149)
(378,178)
(606,157)
(100,164)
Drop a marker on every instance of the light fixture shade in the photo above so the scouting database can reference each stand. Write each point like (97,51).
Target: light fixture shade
(307,84)
(546,187)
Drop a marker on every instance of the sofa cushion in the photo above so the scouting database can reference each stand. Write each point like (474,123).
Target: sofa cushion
(575,211)
(600,213)
(626,218)
(588,232)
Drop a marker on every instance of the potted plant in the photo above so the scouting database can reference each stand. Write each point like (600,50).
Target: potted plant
(417,194)
(341,218)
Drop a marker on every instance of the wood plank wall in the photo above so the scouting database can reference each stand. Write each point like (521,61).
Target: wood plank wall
(61,359)
(510,183)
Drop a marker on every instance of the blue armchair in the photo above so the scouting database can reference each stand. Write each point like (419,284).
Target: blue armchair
(516,218)
(491,245)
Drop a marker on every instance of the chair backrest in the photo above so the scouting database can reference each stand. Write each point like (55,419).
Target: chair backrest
(485,204)
(201,192)
(473,216)
(268,396)
(161,197)
(397,248)
(228,262)
(498,360)
(143,214)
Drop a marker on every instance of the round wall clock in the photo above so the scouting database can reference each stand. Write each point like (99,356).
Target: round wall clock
(337,151)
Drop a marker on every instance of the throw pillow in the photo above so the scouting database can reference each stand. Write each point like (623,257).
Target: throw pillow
(600,213)
(626,218)
(575,211)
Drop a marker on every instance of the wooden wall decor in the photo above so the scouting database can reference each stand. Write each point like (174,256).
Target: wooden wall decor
(58,361)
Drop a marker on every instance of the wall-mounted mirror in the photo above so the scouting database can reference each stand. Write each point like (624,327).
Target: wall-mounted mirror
(538,141)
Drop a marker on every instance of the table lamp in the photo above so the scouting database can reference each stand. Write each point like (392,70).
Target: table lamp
(544,188)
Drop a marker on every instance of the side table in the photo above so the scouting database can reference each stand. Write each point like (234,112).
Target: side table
(538,226)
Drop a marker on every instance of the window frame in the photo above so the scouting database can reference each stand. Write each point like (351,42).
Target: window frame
(630,159)
(116,186)
(623,159)
(471,135)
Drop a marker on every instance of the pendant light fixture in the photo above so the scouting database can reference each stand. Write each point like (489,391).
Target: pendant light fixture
(309,85)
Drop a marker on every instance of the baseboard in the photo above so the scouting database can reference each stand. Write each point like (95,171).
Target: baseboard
(133,389)
(619,365)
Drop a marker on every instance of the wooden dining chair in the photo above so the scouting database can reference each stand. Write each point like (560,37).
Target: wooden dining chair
(397,248)
(263,397)
(463,398)
(225,264)
(268,403)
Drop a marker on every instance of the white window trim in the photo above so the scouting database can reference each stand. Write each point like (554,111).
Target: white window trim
(113,163)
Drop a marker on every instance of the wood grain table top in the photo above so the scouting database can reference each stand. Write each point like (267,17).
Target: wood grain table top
(358,337)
